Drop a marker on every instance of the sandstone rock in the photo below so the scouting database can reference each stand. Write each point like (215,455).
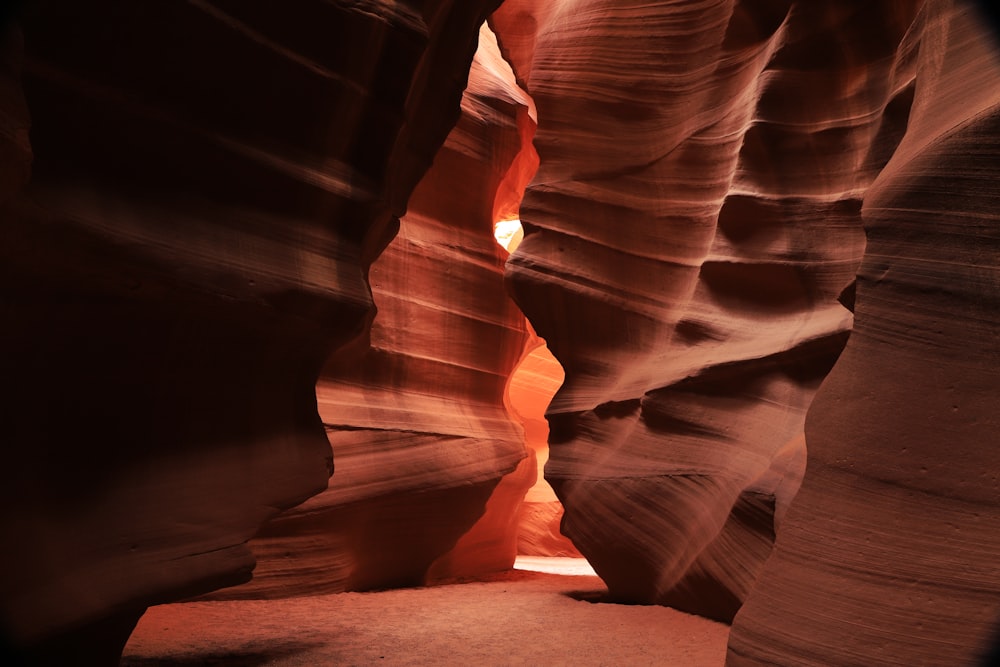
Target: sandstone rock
(889,554)
(532,385)
(15,148)
(210,182)
(419,430)
(691,234)
(187,238)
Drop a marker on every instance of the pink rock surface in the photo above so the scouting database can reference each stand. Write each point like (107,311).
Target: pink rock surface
(210,182)
(189,232)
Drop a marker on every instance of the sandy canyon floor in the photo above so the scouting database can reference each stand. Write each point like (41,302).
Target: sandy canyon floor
(522,617)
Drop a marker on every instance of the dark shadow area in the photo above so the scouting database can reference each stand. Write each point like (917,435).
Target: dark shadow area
(991,12)
(991,658)
(604,597)
(239,658)
(512,575)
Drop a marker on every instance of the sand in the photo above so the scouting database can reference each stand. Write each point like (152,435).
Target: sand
(516,618)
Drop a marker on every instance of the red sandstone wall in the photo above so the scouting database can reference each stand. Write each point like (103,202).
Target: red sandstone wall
(194,240)
(691,242)
(889,553)
(694,221)
(532,386)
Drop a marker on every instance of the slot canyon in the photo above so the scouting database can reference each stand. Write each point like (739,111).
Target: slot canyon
(309,303)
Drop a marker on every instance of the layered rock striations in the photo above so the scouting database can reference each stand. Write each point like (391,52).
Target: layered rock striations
(691,240)
(210,181)
(420,433)
(691,244)
(185,242)
(532,385)
(889,554)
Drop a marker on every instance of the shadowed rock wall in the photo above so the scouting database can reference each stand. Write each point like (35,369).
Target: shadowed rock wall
(889,553)
(186,238)
(210,181)
(418,426)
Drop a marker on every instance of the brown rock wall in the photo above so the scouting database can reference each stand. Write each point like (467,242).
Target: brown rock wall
(188,231)
(531,387)
(210,181)
(888,555)
(693,225)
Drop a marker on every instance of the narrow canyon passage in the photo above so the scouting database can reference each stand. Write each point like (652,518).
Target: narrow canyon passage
(428,425)
(273,392)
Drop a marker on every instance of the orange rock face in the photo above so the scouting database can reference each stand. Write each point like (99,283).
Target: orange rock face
(532,385)
(210,181)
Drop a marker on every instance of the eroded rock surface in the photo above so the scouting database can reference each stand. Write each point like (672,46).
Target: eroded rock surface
(418,426)
(691,239)
(708,172)
(210,181)
(193,239)
(532,385)
(889,553)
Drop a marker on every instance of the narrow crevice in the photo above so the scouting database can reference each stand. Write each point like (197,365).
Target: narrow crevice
(538,375)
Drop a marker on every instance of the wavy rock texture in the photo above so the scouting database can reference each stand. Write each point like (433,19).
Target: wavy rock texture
(192,244)
(889,554)
(532,385)
(418,426)
(691,238)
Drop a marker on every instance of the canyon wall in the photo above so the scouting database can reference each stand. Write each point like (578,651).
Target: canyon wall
(690,240)
(187,238)
(420,433)
(530,390)
(889,553)
(708,173)
(209,182)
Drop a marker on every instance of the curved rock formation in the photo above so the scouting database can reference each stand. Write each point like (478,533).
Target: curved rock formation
(418,426)
(690,238)
(693,229)
(889,553)
(210,181)
(187,236)
(532,385)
